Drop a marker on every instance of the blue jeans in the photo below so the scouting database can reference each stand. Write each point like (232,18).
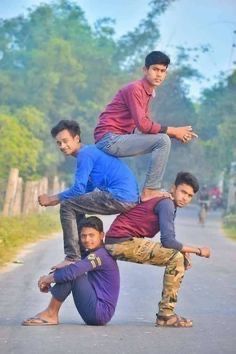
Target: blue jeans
(138,144)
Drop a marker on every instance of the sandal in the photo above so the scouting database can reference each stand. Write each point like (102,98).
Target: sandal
(37,321)
(173,321)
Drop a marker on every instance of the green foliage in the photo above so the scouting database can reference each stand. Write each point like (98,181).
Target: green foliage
(229,225)
(54,66)
(217,124)
(134,46)
(18,231)
(18,147)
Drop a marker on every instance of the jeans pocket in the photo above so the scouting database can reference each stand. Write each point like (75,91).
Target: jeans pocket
(106,142)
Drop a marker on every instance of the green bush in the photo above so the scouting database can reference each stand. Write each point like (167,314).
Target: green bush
(18,231)
(229,225)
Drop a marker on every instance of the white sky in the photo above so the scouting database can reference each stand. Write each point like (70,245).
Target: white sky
(186,22)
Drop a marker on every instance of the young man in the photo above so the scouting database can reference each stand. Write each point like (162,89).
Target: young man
(125,127)
(103,185)
(125,240)
(93,281)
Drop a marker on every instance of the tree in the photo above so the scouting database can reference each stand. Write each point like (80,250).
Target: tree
(18,147)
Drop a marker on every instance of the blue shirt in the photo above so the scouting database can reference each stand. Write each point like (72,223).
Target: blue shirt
(103,274)
(96,169)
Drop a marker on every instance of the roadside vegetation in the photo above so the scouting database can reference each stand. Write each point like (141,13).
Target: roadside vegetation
(229,226)
(16,232)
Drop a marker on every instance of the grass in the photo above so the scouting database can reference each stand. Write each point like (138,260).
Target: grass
(229,226)
(16,232)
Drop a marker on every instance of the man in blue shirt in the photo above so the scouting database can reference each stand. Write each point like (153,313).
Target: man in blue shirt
(102,185)
(94,282)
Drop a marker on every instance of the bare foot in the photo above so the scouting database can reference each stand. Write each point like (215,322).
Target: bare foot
(153,193)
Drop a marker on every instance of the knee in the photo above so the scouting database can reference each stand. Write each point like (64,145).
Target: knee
(166,140)
(178,259)
(65,207)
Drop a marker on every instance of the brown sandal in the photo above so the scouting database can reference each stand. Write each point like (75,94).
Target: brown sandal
(37,321)
(173,321)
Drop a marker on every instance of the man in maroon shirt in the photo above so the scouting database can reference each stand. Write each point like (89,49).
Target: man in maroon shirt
(125,240)
(125,127)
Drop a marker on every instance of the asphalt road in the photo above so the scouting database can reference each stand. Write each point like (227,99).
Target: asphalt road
(208,296)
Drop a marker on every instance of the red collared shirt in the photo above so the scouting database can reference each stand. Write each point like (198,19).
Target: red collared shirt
(129,109)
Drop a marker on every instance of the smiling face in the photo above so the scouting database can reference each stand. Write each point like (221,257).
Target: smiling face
(155,74)
(67,143)
(91,238)
(183,194)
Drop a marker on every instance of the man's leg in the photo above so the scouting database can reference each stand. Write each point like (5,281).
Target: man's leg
(145,251)
(49,316)
(85,300)
(138,144)
(73,210)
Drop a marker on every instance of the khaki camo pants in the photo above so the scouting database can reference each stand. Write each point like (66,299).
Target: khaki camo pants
(140,250)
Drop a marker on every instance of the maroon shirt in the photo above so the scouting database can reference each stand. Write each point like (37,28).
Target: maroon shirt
(128,110)
(146,220)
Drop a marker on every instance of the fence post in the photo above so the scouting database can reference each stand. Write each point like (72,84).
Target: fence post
(10,191)
(17,203)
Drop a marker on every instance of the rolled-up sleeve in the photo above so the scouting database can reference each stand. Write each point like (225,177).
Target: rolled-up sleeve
(165,210)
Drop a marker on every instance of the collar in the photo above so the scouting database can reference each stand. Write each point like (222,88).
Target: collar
(148,88)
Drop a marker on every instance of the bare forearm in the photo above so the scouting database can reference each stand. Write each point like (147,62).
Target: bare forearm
(184,134)
(199,251)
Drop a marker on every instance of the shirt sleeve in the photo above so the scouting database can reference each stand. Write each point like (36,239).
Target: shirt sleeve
(72,271)
(85,163)
(166,214)
(139,112)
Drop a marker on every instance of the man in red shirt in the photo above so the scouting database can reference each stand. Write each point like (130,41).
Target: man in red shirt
(128,239)
(125,127)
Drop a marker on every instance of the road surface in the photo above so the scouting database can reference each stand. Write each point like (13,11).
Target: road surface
(208,296)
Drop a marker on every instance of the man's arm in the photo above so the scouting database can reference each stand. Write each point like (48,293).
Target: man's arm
(85,164)
(199,251)
(84,167)
(91,262)
(166,214)
(183,134)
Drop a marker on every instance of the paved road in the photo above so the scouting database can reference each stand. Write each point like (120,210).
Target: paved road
(208,296)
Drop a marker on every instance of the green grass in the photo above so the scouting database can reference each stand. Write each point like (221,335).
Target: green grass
(16,232)
(229,226)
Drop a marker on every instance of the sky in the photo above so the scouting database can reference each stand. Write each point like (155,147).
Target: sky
(187,23)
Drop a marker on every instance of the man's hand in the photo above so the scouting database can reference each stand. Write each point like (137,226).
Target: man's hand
(62,264)
(187,261)
(183,134)
(46,200)
(204,252)
(44,282)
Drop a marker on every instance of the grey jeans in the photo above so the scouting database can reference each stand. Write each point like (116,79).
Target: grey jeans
(138,144)
(73,210)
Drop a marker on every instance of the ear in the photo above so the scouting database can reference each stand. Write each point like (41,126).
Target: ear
(173,189)
(102,235)
(77,137)
(145,70)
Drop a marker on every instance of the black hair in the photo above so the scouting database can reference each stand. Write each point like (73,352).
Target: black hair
(93,222)
(70,125)
(187,178)
(156,57)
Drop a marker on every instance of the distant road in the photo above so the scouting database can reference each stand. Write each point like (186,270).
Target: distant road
(208,296)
